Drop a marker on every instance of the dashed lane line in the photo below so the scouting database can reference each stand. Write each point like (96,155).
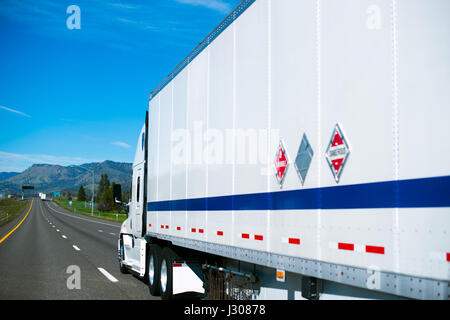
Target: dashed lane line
(107,275)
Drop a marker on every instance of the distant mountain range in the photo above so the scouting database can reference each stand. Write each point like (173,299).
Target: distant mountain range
(53,178)
(7,175)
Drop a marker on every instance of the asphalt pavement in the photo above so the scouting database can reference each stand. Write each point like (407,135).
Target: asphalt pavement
(56,254)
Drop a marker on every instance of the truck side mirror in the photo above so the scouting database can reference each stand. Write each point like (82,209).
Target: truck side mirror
(117,193)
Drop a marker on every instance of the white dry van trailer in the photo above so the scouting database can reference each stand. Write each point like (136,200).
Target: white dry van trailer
(300,151)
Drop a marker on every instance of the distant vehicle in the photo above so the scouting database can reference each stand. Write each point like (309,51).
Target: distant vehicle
(43,196)
(300,151)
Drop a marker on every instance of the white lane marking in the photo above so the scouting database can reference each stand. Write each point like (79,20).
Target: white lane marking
(88,220)
(107,275)
(100,230)
(64,236)
(113,234)
(76,248)
(57,230)
(53,226)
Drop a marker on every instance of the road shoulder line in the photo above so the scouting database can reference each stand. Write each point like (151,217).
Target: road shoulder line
(88,220)
(18,225)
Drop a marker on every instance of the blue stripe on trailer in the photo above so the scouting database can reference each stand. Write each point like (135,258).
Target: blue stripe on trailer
(413,193)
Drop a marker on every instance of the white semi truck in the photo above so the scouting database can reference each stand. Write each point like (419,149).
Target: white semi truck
(300,151)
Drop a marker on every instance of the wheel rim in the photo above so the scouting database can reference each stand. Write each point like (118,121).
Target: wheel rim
(163,276)
(151,270)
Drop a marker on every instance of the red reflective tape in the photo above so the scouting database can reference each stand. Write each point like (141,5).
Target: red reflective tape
(162,227)
(258,237)
(178,228)
(448,256)
(193,230)
(294,241)
(201,231)
(149,224)
(220,233)
(167,227)
(346,246)
(177,265)
(245,236)
(374,249)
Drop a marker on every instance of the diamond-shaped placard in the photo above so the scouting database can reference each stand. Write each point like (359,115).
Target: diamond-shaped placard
(281,163)
(337,152)
(304,158)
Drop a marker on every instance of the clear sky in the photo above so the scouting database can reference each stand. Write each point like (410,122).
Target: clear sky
(71,96)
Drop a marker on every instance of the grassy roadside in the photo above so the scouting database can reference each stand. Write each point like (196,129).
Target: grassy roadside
(10,209)
(80,208)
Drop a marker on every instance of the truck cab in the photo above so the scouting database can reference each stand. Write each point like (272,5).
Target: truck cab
(136,206)
(131,243)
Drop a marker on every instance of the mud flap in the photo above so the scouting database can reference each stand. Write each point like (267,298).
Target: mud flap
(185,279)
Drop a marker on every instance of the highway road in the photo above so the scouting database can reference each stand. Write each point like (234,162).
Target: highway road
(55,254)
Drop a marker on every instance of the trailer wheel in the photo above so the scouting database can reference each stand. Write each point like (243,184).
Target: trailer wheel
(166,277)
(123,269)
(154,265)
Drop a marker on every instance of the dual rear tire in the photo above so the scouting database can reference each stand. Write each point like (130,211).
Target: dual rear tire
(160,273)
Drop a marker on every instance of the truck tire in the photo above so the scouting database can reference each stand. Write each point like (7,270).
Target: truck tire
(166,273)
(123,269)
(154,266)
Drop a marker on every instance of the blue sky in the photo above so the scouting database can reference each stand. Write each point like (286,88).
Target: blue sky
(76,96)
